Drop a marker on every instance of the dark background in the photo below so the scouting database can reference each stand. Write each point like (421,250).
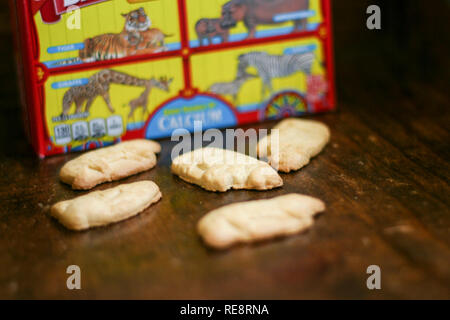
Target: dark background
(384,176)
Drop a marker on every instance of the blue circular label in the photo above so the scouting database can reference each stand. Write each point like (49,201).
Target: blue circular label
(187,114)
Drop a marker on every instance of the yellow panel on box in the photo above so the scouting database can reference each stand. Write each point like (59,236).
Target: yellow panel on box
(105,103)
(105,30)
(249,76)
(220,21)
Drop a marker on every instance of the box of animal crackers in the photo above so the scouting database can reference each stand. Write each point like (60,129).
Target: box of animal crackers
(95,72)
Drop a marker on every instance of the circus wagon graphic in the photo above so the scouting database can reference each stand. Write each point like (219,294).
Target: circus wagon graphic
(101,71)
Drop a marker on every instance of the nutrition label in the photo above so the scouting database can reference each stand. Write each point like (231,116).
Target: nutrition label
(83,130)
(80,131)
(62,134)
(115,126)
(98,128)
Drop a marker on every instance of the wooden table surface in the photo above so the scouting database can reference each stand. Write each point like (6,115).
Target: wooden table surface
(384,177)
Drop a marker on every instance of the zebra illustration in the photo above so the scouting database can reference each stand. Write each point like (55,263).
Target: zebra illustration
(275,66)
(231,88)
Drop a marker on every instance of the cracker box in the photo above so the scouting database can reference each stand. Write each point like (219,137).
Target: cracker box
(95,72)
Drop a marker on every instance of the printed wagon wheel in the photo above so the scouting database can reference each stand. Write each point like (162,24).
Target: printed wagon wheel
(284,104)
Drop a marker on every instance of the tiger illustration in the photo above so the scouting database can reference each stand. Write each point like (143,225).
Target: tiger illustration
(152,38)
(137,37)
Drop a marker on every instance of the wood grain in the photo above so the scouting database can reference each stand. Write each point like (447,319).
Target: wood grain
(384,177)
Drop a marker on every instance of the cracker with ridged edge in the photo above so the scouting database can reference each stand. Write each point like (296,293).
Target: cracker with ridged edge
(110,163)
(298,141)
(100,208)
(251,221)
(220,170)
